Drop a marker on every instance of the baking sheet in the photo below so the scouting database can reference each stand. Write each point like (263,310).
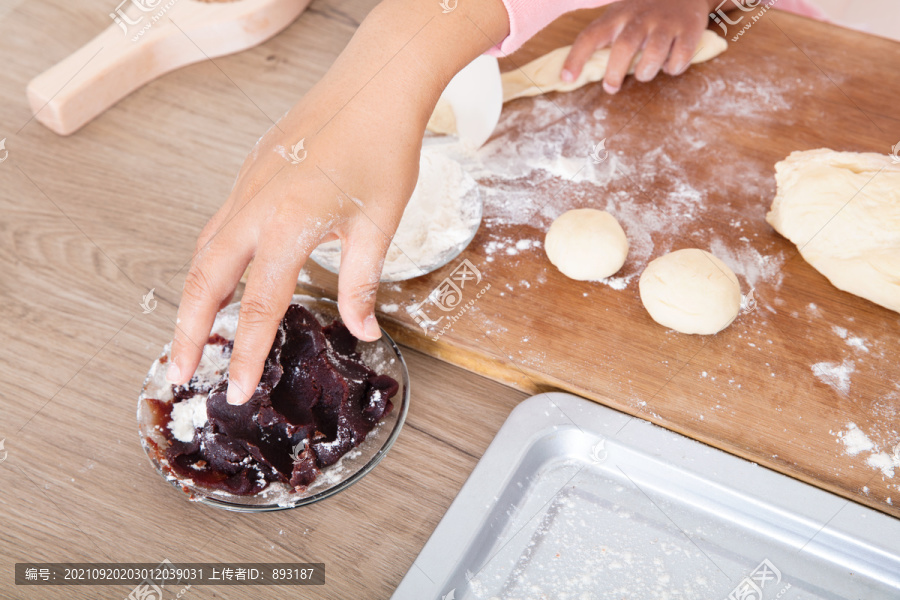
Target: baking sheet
(574,500)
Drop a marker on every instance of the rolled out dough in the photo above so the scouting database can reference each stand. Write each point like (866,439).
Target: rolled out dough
(586,244)
(690,291)
(541,76)
(842,210)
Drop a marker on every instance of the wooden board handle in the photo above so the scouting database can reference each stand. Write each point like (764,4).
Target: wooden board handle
(114,64)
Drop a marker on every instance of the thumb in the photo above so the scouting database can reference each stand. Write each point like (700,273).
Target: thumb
(362,257)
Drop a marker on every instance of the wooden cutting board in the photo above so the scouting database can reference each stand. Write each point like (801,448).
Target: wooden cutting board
(690,165)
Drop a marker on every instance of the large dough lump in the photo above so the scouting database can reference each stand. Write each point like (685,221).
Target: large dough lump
(842,210)
(690,291)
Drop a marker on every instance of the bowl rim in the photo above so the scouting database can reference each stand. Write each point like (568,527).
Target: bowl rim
(201,497)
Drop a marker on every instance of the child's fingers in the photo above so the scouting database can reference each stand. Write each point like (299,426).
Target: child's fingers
(596,35)
(683,50)
(217,267)
(362,257)
(626,46)
(270,286)
(654,55)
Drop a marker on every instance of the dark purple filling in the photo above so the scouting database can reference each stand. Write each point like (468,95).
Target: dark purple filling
(317,400)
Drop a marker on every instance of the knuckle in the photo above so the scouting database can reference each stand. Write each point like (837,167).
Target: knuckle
(197,286)
(360,293)
(256,310)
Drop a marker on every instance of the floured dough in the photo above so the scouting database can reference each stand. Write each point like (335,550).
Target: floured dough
(842,210)
(690,291)
(541,76)
(586,244)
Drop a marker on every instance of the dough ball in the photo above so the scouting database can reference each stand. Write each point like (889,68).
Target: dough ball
(690,291)
(586,244)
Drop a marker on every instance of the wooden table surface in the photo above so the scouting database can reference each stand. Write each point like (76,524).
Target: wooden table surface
(91,222)
(691,164)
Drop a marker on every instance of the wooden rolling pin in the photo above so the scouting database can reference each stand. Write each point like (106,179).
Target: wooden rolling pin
(147,39)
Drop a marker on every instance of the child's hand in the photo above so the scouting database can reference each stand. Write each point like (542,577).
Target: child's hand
(362,126)
(667,31)
(352,184)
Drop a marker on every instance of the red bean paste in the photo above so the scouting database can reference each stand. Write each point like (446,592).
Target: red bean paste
(316,401)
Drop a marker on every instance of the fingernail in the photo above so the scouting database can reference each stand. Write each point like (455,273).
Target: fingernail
(371,328)
(173,373)
(610,89)
(233,395)
(567,76)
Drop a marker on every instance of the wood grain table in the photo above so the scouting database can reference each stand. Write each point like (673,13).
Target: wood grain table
(90,223)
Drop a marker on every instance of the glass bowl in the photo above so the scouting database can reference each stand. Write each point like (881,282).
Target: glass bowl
(383,356)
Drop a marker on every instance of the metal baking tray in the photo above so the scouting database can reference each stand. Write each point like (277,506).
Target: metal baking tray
(575,501)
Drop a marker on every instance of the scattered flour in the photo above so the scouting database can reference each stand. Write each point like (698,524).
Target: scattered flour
(883,462)
(749,263)
(539,164)
(855,342)
(855,440)
(835,375)
(858,343)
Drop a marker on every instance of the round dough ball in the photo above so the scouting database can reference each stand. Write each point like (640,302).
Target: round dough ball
(586,244)
(690,291)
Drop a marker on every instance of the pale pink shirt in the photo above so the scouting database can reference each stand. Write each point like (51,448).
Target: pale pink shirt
(527,17)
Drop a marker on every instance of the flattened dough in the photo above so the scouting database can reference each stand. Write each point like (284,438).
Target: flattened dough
(842,210)
(541,76)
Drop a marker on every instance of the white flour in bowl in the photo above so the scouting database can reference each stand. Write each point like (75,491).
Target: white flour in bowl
(440,220)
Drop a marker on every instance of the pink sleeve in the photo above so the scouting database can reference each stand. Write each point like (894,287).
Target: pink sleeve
(804,8)
(527,17)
